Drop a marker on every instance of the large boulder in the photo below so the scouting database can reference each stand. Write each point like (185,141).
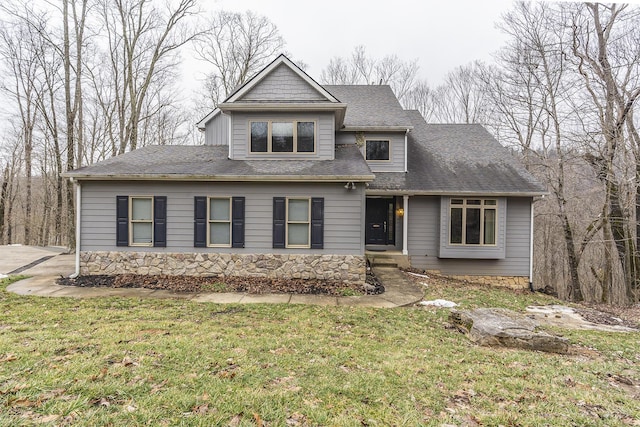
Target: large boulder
(498,327)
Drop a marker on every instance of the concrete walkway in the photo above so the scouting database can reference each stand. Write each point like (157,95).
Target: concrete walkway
(398,290)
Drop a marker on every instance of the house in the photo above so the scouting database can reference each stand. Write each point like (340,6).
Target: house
(299,180)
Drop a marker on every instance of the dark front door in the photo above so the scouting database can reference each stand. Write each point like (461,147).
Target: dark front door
(379,222)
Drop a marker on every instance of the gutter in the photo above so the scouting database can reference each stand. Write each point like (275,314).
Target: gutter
(392,192)
(223,178)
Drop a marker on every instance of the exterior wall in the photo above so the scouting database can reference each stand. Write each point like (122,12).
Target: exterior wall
(348,269)
(283,84)
(343,210)
(325,135)
(424,238)
(396,146)
(217,130)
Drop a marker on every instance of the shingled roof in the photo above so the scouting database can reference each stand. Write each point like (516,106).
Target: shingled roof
(211,163)
(370,106)
(456,159)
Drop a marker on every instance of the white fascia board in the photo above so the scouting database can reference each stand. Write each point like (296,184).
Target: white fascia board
(201,124)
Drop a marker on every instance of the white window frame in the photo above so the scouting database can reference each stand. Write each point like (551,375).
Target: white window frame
(210,221)
(388,141)
(140,221)
(308,222)
(295,136)
(482,206)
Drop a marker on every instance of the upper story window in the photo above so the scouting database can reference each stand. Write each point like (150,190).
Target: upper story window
(377,150)
(282,136)
(473,221)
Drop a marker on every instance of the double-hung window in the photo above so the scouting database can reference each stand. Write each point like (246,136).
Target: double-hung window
(219,222)
(141,221)
(141,229)
(473,222)
(298,221)
(272,136)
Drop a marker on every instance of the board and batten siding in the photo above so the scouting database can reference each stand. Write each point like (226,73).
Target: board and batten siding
(396,147)
(424,240)
(343,209)
(325,131)
(216,131)
(283,84)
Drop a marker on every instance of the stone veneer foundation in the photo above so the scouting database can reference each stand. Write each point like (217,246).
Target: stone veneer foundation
(343,268)
(512,282)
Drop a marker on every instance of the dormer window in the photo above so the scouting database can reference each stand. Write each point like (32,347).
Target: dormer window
(377,150)
(271,136)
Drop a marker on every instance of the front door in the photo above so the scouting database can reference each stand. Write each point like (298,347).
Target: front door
(380,221)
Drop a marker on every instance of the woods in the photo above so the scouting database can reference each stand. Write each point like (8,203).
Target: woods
(85,80)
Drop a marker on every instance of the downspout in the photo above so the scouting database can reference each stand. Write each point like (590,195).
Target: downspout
(230,125)
(78,222)
(405,224)
(405,150)
(531,251)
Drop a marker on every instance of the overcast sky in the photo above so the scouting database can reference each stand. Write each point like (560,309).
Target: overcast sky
(439,34)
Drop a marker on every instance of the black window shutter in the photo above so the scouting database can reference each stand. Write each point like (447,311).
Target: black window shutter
(279,220)
(200,222)
(122,220)
(237,222)
(317,223)
(160,221)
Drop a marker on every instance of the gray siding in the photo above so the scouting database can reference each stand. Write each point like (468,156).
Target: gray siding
(343,225)
(217,130)
(325,134)
(424,240)
(282,84)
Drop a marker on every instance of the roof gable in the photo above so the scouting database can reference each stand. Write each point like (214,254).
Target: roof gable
(281,81)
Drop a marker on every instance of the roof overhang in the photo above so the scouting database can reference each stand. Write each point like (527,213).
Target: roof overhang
(266,107)
(376,192)
(376,129)
(221,178)
(208,117)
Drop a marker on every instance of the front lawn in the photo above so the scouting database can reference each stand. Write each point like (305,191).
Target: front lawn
(117,361)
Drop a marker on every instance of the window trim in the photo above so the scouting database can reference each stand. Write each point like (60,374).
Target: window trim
(294,123)
(229,221)
(132,221)
(287,222)
(366,141)
(482,206)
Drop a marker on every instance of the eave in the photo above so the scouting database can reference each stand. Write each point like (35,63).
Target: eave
(267,107)
(220,178)
(382,192)
(376,129)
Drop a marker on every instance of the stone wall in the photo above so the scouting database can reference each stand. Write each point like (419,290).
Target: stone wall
(512,282)
(343,268)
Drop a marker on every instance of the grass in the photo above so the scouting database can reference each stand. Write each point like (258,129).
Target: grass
(116,361)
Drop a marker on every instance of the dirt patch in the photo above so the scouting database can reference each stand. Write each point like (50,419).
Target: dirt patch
(252,285)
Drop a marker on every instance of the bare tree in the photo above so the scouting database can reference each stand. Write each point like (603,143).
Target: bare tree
(361,69)
(143,44)
(236,45)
